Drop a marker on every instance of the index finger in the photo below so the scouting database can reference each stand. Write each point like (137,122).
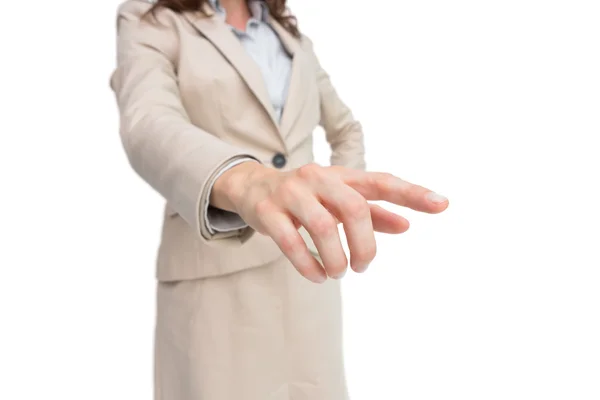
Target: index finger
(390,188)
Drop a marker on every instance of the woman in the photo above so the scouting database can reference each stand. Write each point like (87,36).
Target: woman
(218,102)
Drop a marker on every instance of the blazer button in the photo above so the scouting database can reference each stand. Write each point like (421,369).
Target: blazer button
(279,160)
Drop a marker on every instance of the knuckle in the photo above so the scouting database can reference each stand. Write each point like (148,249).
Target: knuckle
(356,208)
(323,225)
(383,177)
(310,171)
(290,190)
(290,185)
(415,190)
(290,243)
(383,182)
(386,179)
(263,206)
(338,169)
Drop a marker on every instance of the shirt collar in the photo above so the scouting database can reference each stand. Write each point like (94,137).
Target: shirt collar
(258,8)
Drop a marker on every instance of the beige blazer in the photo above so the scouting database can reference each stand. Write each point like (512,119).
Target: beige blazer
(190,100)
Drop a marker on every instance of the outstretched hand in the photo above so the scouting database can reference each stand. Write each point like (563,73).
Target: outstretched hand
(277,203)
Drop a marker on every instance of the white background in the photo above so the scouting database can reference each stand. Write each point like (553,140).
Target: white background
(495,104)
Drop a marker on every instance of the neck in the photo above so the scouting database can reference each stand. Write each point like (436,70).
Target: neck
(237,13)
(234,6)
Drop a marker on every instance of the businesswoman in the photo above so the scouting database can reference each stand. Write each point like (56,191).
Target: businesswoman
(218,103)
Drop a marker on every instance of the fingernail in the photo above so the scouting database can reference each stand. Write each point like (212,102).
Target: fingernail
(435,197)
(362,268)
(340,275)
(319,279)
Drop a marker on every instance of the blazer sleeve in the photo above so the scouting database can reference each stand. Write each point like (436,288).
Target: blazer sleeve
(343,132)
(175,157)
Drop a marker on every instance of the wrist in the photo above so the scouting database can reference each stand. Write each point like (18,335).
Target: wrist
(230,187)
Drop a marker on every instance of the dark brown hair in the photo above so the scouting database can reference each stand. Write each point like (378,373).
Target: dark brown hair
(277,10)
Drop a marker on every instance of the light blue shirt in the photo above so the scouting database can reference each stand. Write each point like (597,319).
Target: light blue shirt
(264,46)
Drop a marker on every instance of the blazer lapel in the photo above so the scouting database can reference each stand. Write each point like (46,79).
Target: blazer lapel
(220,35)
(296,94)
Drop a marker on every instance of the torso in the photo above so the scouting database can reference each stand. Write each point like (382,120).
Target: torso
(223,90)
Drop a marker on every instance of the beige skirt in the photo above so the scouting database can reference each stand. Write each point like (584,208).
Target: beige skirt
(264,333)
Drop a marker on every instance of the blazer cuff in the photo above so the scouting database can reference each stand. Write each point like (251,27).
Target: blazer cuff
(216,219)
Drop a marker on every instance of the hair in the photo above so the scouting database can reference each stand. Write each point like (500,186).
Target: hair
(277,10)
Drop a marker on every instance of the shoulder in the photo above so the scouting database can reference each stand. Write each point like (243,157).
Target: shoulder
(139,9)
(134,7)
(305,42)
(158,28)
(137,26)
